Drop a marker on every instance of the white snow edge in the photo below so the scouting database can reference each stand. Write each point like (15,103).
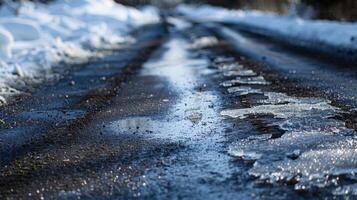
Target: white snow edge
(341,35)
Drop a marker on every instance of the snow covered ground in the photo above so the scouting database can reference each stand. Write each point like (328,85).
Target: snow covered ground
(35,38)
(341,35)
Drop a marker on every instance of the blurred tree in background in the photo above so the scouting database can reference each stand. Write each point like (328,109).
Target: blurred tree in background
(334,9)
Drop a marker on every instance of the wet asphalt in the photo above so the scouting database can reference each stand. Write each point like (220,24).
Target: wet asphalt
(144,123)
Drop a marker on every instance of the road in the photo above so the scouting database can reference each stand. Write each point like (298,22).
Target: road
(190,111)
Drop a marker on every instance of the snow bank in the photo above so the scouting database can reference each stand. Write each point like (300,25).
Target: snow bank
(329,33)
(6,42)
(40,36)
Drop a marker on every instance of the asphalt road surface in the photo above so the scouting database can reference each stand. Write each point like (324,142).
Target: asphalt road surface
(190,111)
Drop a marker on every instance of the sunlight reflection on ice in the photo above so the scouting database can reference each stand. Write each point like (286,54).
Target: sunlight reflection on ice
(323,148)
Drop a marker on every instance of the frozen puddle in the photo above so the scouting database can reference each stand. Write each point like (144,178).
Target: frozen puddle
(316,151)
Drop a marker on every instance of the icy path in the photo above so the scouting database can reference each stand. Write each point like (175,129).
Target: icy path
(180,115)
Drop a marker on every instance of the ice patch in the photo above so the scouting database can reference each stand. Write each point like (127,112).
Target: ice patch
(282,111)
(230,67)
(258,80)
(243,90)
(315,150)
(346,190)
(279,98)
(204,42)
(240,73)
(315,168)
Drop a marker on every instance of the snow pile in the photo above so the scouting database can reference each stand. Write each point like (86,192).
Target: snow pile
(39,36)
(337,34)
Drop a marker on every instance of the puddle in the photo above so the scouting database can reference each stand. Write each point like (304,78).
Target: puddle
(191,118)
(147,126)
